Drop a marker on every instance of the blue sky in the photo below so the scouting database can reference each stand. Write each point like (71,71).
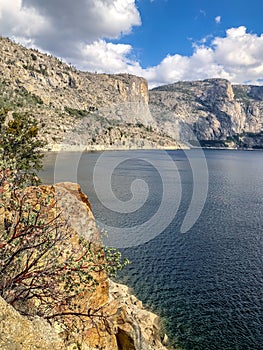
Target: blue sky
(171,26)
(161,40)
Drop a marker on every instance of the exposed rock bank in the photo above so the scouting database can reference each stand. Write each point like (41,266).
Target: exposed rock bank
(19,333)
(137,328)
(125,324)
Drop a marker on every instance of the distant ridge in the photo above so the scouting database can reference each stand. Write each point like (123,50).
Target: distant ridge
(215,112)
(83,110)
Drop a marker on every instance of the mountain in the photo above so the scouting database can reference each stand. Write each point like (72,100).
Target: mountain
(211,112)
(78,109)
(81,110)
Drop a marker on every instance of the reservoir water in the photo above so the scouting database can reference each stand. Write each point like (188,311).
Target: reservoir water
(205,282)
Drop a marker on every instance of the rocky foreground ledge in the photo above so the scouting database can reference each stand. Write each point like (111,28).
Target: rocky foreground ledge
(133,328)
(129,326)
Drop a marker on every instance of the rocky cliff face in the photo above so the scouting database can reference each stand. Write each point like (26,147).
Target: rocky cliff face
(84,111)
(136,328)
(74,107)
(19,333)
(125,324)
(214,111)
(61,86)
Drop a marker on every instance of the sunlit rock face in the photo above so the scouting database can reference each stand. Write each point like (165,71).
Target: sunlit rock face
(79,110)
(20,333)
(210,110)
(120,321)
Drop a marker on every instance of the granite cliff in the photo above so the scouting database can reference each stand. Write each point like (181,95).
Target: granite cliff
(212,111)
(92,111)
(81,110)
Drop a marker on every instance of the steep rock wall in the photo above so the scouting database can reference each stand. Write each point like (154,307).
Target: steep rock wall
(74,108)
(212,109)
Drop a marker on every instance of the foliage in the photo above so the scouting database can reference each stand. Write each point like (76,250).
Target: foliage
(33,56)
(45,267)
(20,149)
(43,260)
(18,98)
(80,113)
(77,113)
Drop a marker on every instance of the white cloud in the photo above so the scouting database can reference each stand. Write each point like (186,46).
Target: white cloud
(60,25)
(241,54)
(84,22)
(79,33)
(102,57)
(236,57)
(200,65)
(18,21)
(218,19)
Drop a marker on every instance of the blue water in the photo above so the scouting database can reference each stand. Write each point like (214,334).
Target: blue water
(206,283)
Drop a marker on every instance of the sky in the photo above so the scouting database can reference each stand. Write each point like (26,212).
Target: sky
(162,40)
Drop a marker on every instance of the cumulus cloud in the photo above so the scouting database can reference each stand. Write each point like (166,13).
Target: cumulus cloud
(64,24)
(88,19)
(16,20)
(236,57)
(102,57)
(80,34)
(201,65)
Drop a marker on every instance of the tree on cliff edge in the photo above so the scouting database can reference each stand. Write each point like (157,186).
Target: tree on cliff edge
(44,266)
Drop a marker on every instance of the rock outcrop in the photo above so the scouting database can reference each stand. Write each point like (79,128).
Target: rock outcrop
(61,86)
(122,322)
(136,328)
(19,333)
(213,111)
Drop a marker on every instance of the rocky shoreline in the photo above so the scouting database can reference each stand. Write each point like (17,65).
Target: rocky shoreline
(99,148)
(125,324)
(135,327)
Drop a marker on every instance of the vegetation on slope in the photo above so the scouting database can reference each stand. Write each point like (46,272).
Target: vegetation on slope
(44,266)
